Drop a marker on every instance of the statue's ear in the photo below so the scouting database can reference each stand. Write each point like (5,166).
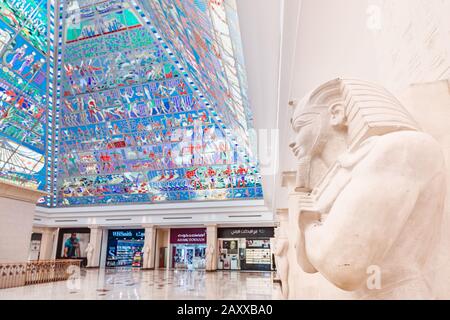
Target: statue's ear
(337,118)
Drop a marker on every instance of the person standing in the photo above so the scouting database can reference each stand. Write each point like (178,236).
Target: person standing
(72,247)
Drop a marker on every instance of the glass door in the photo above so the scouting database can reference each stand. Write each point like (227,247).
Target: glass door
(179,257)
(189,257)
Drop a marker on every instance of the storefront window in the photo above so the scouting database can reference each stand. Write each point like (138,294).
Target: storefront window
(231,251)
(72,243)
(35,246)
(188,248)
(245,248)
(125,248)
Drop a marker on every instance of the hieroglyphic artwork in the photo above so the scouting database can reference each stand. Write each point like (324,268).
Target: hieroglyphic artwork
(28,16)
(23,92)
(204,34)
(131,127)
(82,23)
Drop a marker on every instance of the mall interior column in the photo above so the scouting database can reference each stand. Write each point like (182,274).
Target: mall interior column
(47,242)
(17,206)
(211,247)
(149,247)
(95,240)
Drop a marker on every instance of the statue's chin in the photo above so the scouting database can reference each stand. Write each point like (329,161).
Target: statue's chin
(303,172)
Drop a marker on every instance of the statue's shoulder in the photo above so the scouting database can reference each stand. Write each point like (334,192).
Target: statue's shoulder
(409,150)
(414,141)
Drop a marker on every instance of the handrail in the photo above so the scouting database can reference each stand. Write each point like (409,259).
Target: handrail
(33,272)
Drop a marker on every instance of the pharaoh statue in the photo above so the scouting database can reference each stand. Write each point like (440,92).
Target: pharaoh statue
(281,251)
(146,258)
(90,254)
(371,188)
(210,256)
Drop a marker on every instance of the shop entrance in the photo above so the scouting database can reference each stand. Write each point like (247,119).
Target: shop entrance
(245,248)
(188,248)
(232,254)
(125,248)
(189,257)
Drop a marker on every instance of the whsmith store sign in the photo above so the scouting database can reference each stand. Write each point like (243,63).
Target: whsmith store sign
(250,233)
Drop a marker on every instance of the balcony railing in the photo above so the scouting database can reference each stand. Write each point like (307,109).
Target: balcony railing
(33,272)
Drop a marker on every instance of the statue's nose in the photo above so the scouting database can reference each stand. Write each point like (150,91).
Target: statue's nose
(292,145)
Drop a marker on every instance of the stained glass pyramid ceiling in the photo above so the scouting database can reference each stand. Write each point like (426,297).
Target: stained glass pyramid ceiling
(24,92)
(152,110)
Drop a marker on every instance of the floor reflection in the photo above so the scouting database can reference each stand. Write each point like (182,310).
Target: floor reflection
(135,284)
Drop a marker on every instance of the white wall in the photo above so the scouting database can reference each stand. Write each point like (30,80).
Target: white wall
(16,223)
(413,44)
(392,42)
(332,41)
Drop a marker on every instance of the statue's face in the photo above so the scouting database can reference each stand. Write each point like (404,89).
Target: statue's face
(307,127)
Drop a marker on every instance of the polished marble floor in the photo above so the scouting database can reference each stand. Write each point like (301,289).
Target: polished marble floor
(131,284)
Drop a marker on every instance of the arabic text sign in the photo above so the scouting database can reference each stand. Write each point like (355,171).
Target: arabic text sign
(256,232)
(188,236)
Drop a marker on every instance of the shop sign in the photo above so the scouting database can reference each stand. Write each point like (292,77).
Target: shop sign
(263,232)
(187,236)
(127,234)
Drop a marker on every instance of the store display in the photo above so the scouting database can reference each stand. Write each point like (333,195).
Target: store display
(188,248)
(231,246)
(258,256)
(234,265)
(35,246)
(249,250)
(72,243)
(258,243)
(125,248)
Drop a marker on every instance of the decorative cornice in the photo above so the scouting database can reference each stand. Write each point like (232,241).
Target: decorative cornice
(158,207)
(94,227)
(159,215)
(12,191)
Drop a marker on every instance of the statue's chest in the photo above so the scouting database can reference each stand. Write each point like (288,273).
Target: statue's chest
(329,189)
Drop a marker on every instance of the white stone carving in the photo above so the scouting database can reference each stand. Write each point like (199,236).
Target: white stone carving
(90,254)
(210,257)
(146,258)
(372,194)
(281,251)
